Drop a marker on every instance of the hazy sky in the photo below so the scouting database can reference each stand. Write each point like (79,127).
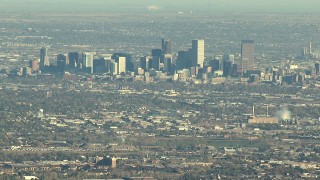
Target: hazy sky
(206,6)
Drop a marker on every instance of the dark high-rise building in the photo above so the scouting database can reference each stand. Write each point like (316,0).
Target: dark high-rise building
(99,65)
(145,63)
(247,55)
(74,59)
(44,59)
(215,64)
(234,70)
(227,68)
(156,52)
(155,63)
(167,63)
(61,62)
(166,46)
(157,58)
(184,60)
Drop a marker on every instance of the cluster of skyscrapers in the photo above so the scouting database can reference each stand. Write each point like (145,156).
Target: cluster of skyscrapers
(193,57)
(160,59)
(86,62)
(194,60)
(191,62)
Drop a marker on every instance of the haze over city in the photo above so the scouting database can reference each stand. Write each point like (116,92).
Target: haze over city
(159,89)
(140,6)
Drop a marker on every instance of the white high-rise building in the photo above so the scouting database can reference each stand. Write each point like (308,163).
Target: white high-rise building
(197,52)
(114,68)
(87,62)
(121,64)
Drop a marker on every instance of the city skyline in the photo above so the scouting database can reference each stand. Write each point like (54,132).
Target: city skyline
(159,89)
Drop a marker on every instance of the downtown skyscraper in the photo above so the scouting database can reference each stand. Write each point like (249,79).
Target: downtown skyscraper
(44,59)
(247,55)
(197,53)
(166,46)
(87,62)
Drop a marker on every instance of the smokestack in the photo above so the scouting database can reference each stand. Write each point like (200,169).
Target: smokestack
(267,111)
(253,110)
(310,47)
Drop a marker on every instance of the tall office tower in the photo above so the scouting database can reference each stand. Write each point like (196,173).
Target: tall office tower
(87,62)
(155,63)
(44,59)
(228,61)
(61,62)
(157,58)
(184,60)
(121,64)
(215,64)
(247,55)
(197,53)
(99,65)
(166,46)
(317,67)
(74,59)
(167,62)
(156,52)
(145,63)
(227,68)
